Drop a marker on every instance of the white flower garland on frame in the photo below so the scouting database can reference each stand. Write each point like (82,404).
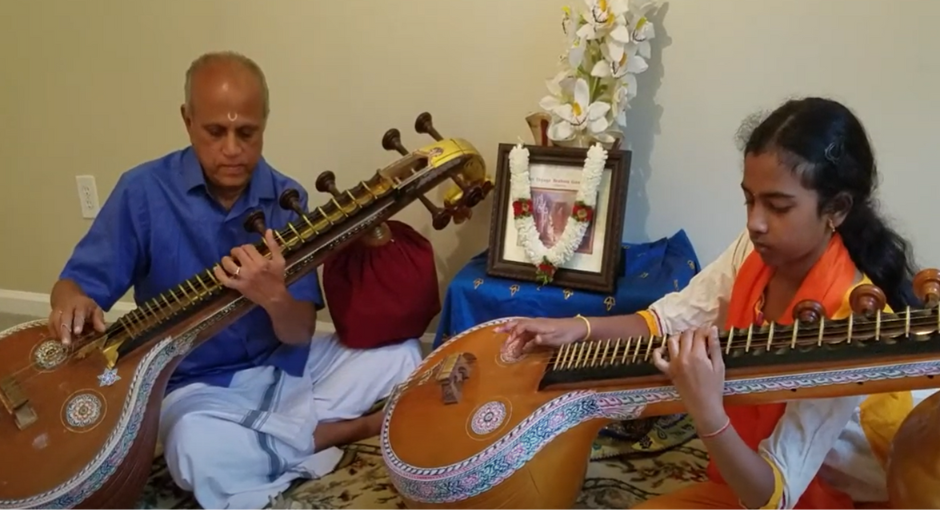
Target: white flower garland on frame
(520,192)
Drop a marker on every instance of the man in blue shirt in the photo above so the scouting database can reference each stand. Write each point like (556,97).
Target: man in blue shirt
(266,400)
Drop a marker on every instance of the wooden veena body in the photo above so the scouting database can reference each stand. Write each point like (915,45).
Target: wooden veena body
(914,463)
(475,428)
(78,428)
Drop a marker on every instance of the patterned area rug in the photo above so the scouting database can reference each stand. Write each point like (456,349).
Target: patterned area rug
(631,462)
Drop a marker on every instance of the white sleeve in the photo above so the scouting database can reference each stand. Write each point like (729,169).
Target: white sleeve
(805,434)
(704,301)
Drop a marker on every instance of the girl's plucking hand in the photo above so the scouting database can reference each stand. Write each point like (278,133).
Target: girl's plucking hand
(694,363)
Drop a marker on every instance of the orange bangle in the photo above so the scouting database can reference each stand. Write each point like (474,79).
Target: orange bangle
(717,432)
(652,323)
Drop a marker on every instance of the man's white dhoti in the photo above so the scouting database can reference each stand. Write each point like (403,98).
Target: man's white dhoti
(239,446)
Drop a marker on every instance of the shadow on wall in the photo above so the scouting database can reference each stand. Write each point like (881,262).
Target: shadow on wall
(473,232)
(643,117)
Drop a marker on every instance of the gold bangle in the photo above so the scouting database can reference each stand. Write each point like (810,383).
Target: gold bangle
(586,323)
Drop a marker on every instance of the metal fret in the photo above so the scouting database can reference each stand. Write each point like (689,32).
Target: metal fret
(822,324)
(851,320)
(626,350)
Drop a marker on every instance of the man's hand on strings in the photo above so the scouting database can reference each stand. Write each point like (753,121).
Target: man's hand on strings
(73,314)
(259,279)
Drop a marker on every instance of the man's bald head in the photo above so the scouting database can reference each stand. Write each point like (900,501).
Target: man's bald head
(225,113)
(231,63)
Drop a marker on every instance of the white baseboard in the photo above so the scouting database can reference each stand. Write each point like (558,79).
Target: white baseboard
(35,304)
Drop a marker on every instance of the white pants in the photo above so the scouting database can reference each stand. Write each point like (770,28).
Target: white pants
(239,446)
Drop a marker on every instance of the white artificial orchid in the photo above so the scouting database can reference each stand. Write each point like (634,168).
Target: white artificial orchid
(629,83)
(618,105)
(576,52)
(576,43)
(641,29)
(608,45)
(619,38)
(579,115)
(605,20)
(602,17)
(628,62)
(608,69)
(560,91)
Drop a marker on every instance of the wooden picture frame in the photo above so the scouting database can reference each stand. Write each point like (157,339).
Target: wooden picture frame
(596,265)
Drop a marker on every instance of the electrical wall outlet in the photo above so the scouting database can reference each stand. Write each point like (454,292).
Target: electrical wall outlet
(87,195)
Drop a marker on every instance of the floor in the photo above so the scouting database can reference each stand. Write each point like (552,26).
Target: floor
(8,320)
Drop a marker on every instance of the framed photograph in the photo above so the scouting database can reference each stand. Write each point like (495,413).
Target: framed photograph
(555,180)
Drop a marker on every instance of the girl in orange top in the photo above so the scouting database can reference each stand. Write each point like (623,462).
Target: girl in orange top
(809,176)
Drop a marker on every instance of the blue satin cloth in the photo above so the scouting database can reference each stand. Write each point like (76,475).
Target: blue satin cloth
(651,270)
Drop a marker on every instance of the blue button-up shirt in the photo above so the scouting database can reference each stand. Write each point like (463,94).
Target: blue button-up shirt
(158,227)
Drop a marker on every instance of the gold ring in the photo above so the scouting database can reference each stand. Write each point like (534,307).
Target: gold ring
(238,270)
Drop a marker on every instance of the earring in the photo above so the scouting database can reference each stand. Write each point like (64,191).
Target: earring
(832,226)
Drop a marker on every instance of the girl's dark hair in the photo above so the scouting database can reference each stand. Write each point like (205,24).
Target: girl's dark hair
(826,144)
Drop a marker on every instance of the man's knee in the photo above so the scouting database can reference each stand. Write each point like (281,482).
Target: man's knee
(224,463)
(191,450)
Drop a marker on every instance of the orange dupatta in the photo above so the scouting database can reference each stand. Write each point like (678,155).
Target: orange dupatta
(827,282)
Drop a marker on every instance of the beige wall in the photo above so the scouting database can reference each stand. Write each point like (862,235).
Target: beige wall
(93,87)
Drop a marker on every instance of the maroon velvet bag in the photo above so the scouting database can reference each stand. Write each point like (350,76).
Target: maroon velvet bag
(381,294)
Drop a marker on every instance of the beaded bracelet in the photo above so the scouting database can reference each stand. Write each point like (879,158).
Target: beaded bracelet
(717,432)
(586,323)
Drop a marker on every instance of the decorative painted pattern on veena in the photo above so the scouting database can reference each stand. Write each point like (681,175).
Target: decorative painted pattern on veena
(487,469)
(99,470)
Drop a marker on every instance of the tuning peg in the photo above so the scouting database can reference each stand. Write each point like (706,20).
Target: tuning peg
(440,218)
(326,183)
(392,142)
(809,311)
(378,236)
(472,194)
(867,300)
(462,214)
(927,287)
(424,126)
(254,223)
(290,201)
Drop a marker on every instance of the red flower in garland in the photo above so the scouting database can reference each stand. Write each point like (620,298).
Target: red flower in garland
(545,271)
(582,212)
(521,208)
